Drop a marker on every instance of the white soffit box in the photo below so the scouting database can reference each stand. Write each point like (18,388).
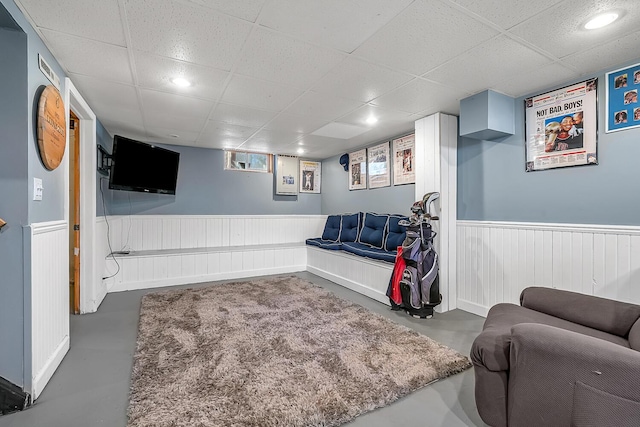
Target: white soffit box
(340,130)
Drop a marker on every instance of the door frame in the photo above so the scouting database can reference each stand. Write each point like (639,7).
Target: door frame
(89,281)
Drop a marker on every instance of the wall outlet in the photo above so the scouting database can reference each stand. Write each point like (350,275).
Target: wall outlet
(37,189)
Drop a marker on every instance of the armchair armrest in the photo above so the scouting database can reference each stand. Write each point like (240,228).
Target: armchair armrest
(614,317)
(563,378)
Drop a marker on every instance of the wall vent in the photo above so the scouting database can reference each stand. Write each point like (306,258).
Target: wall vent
(48,72)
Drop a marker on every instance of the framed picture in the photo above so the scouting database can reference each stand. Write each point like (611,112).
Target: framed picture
(310,176)
(286,174)
(404,150)
(623,109)
(379,166)
(358,170)
(561,127)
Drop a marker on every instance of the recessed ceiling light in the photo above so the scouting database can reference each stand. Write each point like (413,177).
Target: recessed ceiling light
(173,135)
(300,143)
(181,81)
(601,20)
(371,120)
(300,150)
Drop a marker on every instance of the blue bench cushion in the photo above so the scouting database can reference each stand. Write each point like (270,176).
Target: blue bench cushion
(325,244)
(365,250)
(373,230)
(350,227)
(332,228)
(396,233)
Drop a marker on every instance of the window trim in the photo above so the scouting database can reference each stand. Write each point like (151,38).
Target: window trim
(229,167)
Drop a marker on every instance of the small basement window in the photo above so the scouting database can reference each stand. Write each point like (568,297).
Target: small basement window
(248,161)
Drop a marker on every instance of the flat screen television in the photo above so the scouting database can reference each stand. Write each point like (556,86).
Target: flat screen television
(138,166)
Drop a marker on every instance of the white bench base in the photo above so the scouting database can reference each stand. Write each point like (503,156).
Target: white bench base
(363,275)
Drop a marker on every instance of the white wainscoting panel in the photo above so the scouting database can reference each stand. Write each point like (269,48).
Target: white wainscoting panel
(48,299)
(180,249)
(497,260)
(365,276)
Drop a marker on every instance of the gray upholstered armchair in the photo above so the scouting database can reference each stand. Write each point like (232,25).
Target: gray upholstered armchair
(559,359)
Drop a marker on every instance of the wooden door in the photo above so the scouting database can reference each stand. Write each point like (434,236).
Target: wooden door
(74,211)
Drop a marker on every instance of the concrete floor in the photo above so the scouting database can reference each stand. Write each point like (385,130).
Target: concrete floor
(91,386)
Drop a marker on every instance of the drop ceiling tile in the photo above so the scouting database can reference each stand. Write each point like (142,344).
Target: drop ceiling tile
(606,56)
(281,59)
(245,9)
(219,144)
(340,130)
(110,101)
(224,134)
(186,32)
(293,123)
(561,32)
(272,138)
(155,72)
(259,94)
(316,141)
(324,106)
(419,95)
(506,15)
(133,130)
(339,24)
(456,72)
(538,81)
(101,60)
(165,136)
(94,19)
(360,80)
(169,111)
(423,36)
(241,116)
(385,116)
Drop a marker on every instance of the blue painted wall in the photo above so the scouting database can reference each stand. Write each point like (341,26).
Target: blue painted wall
(336,197)
(493,184)
(205,188)
(13,199)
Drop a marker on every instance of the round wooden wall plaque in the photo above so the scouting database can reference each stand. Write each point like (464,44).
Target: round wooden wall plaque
(52,127)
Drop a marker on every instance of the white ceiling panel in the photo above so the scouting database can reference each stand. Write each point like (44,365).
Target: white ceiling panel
(245,9)
(272,138)
(294,123)
(100,60)
(167,136)
(360,80)
(112,101)
(521,59)
(155,72)
(613,52)
(281,59)
(224,134)
(93,19)
(506,16)
(339,24)
(385,116)
(543,79)
(323,106)
(178,113)
(241,116)
(186,32)
(560,29)
(423,36)
(259,94)
(419,95)
(128,129)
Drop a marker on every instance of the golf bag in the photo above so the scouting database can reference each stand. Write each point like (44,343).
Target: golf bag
(414,285)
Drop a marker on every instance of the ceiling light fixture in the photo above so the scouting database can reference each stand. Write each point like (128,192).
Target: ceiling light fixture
(601,20)
(371,120)
(181,81)
(300,150)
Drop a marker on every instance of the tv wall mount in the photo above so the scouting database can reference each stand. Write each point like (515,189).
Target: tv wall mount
(104,160)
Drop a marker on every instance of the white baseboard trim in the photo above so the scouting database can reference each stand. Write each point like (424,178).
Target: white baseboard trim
(354,286)
(473,308)
(41,379)
(186,280)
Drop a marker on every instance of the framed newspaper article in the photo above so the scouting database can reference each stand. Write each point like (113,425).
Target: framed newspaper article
(358,170)
(310,176)
(286,172)
(623,109)
(404,150)
(379,166)
(561,127)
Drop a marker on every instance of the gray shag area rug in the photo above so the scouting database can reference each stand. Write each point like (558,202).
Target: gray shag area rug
(272,352)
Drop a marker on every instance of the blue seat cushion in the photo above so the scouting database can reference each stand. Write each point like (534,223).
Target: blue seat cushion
(332,228)
(365,250)
(396,233)
(325,244)
(350,227)
(374,229)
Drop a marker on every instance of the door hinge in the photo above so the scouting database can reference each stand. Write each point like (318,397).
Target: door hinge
(76,227)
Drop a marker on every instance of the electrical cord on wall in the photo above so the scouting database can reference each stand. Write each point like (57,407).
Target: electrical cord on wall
(104,210)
